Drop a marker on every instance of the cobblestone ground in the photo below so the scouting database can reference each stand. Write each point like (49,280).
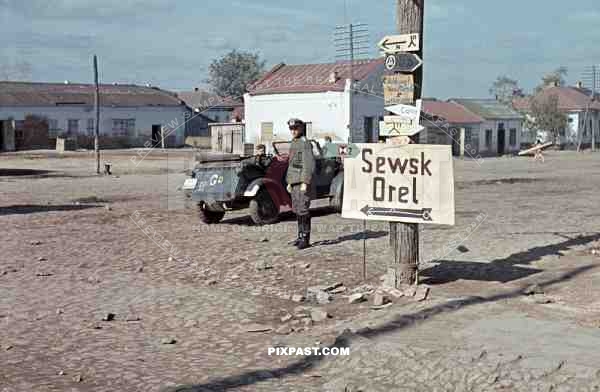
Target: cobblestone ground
(112,283)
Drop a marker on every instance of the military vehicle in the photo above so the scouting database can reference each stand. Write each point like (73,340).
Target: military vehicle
(258,183)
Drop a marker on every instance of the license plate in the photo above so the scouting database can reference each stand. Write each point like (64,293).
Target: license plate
(190,183)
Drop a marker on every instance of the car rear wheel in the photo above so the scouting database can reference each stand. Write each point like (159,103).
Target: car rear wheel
(336,200)
(262,208)
(211,217)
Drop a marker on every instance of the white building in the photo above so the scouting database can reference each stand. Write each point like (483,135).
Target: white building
(583,115)
(132,115)
(321,95)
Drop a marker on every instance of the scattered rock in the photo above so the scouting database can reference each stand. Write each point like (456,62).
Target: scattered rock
(133,317)
(286,318)
(380,299)
(78,378)
(333,286)
(107,207)
(306,321)
(168,341)
(542,299)
(409,290)
(140,269)
(462,249)
(212,282)
(284,330)
(421,292)
(357,298)
(258,328)
(170,259)
(8,347)
(108,317)
(374,307)
(191,324)
(59,311)
(264,239)
(263,265)
(43,273)
(339,290)
(305,265)
(533,289)
(318,315)
(36,242)
(323,298)
(363,289)
(96,326)
(93,279)
(285,296)
(3,272)
(61,373)
(233,277)
(298,298)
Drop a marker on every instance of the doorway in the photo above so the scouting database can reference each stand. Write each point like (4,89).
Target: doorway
(156,135)
(501,140)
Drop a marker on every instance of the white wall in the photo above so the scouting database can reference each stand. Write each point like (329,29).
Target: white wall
(144,117)
(326,111)
(493,125)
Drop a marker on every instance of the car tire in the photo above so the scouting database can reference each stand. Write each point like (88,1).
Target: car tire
(211,217)
(262,209)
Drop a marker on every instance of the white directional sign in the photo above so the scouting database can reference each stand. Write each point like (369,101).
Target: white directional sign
(407,128)
(412,183)
(407,111)
(400,43)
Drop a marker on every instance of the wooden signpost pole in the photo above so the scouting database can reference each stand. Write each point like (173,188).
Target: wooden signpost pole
(404,237)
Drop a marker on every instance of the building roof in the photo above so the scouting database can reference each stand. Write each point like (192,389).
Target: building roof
(313,78)
(200,99)
(452,112)
(56,94)
(569,99)
(489,108)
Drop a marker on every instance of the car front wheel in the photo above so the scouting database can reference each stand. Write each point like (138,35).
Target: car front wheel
(262,208)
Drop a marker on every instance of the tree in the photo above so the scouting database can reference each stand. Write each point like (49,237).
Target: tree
(230,75)
(547,116)
(504,89)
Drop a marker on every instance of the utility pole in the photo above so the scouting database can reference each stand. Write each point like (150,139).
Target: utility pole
(593,98)
(590,78)
(404,237)
(97,111)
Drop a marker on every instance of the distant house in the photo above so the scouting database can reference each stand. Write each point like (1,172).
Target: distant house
(461,127)
(323,96)
(32,115)
(500,131)
(583,115)
(217,109)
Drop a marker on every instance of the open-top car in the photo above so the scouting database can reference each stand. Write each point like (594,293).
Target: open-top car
(258,183)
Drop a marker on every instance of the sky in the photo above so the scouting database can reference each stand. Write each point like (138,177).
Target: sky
(170,44)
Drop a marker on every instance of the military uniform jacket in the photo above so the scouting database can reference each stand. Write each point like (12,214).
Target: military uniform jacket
(302,162)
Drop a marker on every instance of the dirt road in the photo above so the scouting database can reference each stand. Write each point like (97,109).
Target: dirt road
(198,306)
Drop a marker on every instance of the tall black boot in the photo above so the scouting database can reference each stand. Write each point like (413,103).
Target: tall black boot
(304,233)
(296,242)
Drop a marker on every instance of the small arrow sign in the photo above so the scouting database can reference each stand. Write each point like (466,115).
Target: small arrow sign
(423,213)
(403,62)
(406,111)
(399,128)
(400,43)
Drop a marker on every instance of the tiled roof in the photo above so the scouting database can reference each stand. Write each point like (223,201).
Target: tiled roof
(489,108)
(569,99)
(452,112)
(200,99)
(311,78)
(55,94)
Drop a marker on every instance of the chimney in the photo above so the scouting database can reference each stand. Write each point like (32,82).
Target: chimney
(580,84)
(556,83)
(67,82)
(196,89)
(334,77)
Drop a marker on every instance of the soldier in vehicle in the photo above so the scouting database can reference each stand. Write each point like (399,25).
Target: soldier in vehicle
(299,176)
(260,157)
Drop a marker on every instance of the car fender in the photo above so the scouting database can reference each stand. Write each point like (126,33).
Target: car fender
(337,184)
(252,189)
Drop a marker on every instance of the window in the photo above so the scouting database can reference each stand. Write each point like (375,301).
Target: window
(123,127)
(266,132)
(570,120)
(488,138)
(468,136)
(513,137)
(90,126)
(53,130)
(73,126)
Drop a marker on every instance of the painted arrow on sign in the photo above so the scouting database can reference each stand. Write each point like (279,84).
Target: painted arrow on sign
(407,111)
(400,43)
(403,62)
(424,213)
(399,129)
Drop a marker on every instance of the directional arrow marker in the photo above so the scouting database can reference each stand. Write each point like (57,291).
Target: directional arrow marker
(424,213)
(402,62)
(400,43)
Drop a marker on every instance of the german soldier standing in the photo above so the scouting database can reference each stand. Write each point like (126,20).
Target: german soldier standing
(299,177)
